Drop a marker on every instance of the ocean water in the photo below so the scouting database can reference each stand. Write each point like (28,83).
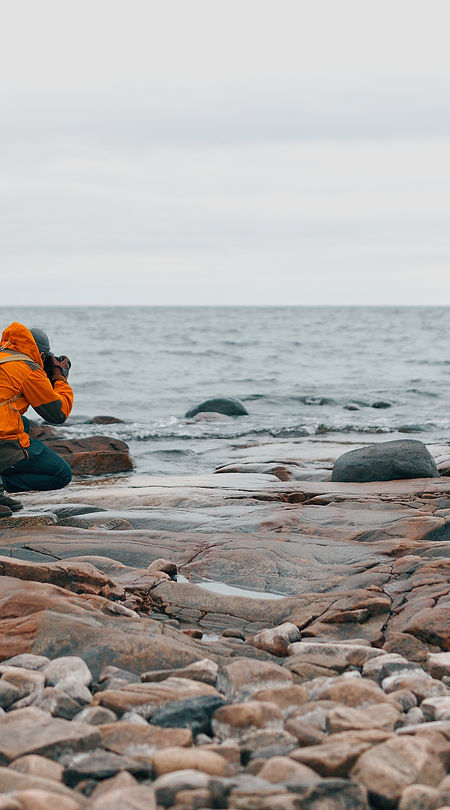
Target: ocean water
(297,369)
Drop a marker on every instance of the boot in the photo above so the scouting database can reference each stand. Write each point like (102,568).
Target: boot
(4,512)
(10,503)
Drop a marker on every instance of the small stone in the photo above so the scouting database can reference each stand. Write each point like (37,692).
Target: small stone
(333,656)
(34,731)
(243,677)
(33,764)
(345,718)
(338,753)
(141,797)
(284,769)
(233,632)
(95,715)
(420,684)
(193,632)
(437,708)
(419,797)
(405,699)
(133,740)
(288,698)
(75,690)
(26,681)
(180,759)
(167,786)
(57,703)
(134,717)
(388,768)
(439,664)
(391,664)
(27,661)
(123,779)
(8,694)
(164,566)
(357,693)
(232,721)
(305,733)
(277,639)
(100,765)
(205,671)
(69,666)
(36,799)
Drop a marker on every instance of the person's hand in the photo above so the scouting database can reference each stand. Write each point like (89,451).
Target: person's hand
(60,368)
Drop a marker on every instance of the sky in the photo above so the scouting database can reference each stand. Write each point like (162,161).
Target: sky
(208,152)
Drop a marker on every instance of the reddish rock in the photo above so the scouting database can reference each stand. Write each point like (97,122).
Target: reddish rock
(239,718)
(338,753)
(131,740)
(243,678)
(388,768)
(180,759)
(94,455)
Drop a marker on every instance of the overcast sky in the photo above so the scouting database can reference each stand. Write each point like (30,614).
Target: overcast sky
(225,152)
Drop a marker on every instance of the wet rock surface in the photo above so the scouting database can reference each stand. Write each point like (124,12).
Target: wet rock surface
(234,640)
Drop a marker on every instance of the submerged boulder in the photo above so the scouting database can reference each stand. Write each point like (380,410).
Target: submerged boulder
(229,406)
(387,461)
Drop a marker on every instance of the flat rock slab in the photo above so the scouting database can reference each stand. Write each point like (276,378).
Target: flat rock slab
(32,731)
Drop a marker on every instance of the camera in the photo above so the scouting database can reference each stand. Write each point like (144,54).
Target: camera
(49,368)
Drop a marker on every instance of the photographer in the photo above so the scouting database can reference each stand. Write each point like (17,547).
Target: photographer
(30,375)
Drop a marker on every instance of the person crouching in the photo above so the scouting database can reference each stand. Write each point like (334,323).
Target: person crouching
(27,464)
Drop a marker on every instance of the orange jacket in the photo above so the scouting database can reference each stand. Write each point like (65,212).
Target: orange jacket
(24,383)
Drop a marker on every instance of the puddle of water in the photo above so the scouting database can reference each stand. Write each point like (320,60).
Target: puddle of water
(231,590)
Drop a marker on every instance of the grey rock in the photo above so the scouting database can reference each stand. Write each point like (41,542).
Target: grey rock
(27,661)
(99,765)
(229,406)
(386,461)
(68,667)
(194,713)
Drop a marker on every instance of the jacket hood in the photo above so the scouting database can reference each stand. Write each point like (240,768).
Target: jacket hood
(18,338)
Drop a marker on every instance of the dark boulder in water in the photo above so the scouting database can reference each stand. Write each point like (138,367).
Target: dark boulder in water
(387,461)
(229,406)
(381,403)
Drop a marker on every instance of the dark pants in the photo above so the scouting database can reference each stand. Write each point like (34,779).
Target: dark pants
(43,469)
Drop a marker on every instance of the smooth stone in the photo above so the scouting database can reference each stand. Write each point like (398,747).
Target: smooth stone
(283,769)
(239,718)
(34,731)
(26,681)
(100,765)
(34,764)
(15,781)
(386,461)
(288,698)
(168,785)
(243,677)
(134,717)
(205,671)
(8,694)
(439,664)
(180,759)
(277,639)
(56,702)
(391,664)
(147,698)
(332,656)
(122,780)
(131,740)
(338,753)
(420,684)
(95,715)
(229,406)
(437,708)
(69,667)
(26,661)
(129,798)
(38,799)
(388,768)
(419,797)
(354,692)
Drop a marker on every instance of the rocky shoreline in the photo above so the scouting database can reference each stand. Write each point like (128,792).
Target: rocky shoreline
(255,638)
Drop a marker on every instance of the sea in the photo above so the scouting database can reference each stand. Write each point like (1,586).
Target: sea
(347,374)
